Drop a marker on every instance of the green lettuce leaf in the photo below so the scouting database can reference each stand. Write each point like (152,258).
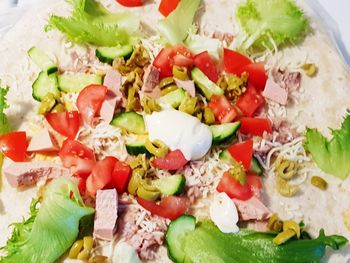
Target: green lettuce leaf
(332,156)
(91,23)
(51,228)
(176,26)
(4,122)
(268,21)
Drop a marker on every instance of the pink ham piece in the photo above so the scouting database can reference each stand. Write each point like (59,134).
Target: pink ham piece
(150,83)
(187,85)
(106,214)
(252,209)
(29,173)
(150,79)
(113,81)
(279,84)
(43,142)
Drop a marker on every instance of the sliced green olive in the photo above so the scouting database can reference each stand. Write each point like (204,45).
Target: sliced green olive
(150,105)
(274,224)
(238,173)
(286,189)
(310,69)
(180,72)
(188,104)
(283,237)
(140,162)
(88,244)
(169,89)
(209,117)
(59,108)
(135,180)
(285,169)
(47,103)
(147,192)
(75,249)
(291,225)
(98,259)
(157,148)
(319,182)
(165,82)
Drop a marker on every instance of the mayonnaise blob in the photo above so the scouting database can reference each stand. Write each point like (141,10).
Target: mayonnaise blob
(180,131)
(223,213)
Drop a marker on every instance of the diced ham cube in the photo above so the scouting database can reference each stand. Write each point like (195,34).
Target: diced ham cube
(150,79)
(273,91)
(187,85)
(29,173)
(106,214)
(113,81)
(252,209)
(43,142)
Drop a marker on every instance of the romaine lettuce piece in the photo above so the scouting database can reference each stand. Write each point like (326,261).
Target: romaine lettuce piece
(268,21)
(52,228)
(90,22)
(332,156)
(176,26)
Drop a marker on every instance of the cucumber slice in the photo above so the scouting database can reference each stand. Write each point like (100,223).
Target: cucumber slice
(173,98)
(255,166)
(42,60)
(108,54)
(175,234)
(171,185)
(224,133)
(77,82)
(137,146)
(45,84)
(207,87)
(131,122)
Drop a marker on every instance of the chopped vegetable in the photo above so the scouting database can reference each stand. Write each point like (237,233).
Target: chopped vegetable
(235,61)
(91,23)
(170,207)
(274,223)
(14,146)
(65,123)
(255,126)
(130,3)
(285,169)
(206,243)
(233,85)
(175,27)
(319,182)
(332,156)
(4,123)
(206,64)
(81,249)
(168,6)
(233,188)
(242,153)
(283,237)
(174,160)
(157,148)
(250,101)
(30,239)
(284,188)
(310,69)
(222,108)
(267,23)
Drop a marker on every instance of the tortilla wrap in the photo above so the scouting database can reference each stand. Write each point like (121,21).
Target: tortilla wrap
(320,103)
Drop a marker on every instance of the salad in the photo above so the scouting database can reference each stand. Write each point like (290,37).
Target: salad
(154,136)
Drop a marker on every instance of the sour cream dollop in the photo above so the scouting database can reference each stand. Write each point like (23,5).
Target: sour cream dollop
(179,131)
(223,213)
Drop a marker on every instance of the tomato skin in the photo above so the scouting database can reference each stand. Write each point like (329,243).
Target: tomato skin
(167,6)
(250,101)
(170,207)
(222,108)
(242,153)
(130,3)
(90,100)
(65,123)
(235,61)
(233,188)
(174,160)
(101,175)
(255,126)
(14,145)
(206,64)
(120,177)
(76,155)
(256,75)
(168,57)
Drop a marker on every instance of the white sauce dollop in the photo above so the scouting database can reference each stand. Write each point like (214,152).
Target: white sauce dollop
(124,253)
(179,131)
(223,213)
